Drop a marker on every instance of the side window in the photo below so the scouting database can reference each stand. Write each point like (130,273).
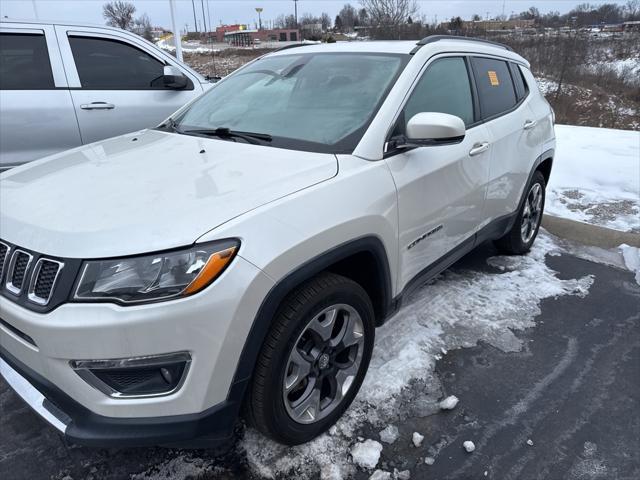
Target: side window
(110,64)
(443,88)
(522,90)
(24,62)
(495,86)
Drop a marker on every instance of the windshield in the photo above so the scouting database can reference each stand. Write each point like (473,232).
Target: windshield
(314,102)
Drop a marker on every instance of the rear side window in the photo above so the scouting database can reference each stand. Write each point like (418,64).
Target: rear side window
(495,86)
(24,62)
(522,90)
(443,88)
(110,64)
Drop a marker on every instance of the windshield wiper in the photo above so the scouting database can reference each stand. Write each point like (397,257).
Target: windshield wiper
(249,137)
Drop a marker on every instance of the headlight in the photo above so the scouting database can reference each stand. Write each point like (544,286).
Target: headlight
(154,277)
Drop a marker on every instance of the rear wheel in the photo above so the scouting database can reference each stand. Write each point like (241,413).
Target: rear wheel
(525,229)
(313,361)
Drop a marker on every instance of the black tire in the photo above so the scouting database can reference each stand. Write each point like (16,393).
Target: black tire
(513,242)
(265,407)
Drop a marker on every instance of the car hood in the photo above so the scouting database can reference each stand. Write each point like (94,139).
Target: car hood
(145,191)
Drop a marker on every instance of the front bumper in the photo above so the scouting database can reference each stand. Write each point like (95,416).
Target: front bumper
(211,326)
(79,425)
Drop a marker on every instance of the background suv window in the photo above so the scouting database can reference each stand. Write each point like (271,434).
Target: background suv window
(443,88)
(495,86)
(24,62)
(109,64)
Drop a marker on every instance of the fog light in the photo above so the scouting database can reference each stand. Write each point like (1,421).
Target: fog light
(135,377)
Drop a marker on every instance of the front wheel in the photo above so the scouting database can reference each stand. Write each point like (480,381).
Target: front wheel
(313,361)
(520,238)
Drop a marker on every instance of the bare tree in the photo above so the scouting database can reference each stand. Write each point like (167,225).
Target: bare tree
(390,12)
(325,20)
(349,17)
(633,9)
(142,26)
(119,14)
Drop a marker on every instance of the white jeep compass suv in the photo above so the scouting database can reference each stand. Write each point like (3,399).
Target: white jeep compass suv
(242,253)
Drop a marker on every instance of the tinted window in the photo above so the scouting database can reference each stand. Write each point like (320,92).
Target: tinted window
(24,62)
(495,87)
(518,79)
(110,64)
(443,88)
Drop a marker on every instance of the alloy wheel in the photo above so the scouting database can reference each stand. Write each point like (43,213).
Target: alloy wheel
(532,213)
(323,363)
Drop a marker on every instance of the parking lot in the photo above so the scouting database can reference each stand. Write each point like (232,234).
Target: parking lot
(543,353)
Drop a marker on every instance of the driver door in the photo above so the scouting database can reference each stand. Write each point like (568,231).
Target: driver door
(441,188)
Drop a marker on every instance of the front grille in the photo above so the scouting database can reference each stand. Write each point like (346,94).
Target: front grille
(4,254)
(17,271)
(44,280)
(29,276)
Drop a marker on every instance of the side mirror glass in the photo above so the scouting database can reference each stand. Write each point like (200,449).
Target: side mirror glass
(433,128)
(174,78)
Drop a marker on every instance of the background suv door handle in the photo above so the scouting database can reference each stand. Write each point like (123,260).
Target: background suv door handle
(478,148)
(97,106)
(529,124)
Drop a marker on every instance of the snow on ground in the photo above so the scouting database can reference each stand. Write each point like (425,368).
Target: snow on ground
(596,177)
(457,310)
(631,257)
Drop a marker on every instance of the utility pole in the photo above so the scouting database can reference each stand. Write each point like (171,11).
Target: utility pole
(177,41)
(209,16)
(295,6)
(35,9)
(204,18)
(195,20)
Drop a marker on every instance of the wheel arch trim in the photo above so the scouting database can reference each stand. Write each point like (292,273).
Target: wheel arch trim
(269,306)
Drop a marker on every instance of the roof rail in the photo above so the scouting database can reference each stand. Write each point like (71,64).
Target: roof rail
(437,38)
(295,45)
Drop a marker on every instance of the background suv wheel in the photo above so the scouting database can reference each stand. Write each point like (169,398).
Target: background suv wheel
(313,361)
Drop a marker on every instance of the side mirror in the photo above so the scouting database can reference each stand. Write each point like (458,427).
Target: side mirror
(432,128)
(172,77)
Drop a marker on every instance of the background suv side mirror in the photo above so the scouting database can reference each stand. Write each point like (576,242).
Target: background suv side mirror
(428,128)
(173,78)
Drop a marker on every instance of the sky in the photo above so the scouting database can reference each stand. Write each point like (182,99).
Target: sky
(243,11)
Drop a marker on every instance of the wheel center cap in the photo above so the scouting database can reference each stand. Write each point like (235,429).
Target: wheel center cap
(323,361)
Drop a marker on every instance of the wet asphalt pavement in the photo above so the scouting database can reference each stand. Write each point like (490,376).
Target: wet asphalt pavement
(573,391)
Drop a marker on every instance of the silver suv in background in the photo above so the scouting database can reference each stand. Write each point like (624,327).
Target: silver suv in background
(62,86)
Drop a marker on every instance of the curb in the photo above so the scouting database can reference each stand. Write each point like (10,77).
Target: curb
(589,234)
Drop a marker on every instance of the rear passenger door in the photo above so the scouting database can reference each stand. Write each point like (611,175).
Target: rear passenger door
(504,106)
(441,188)
(36,112)
(117,83)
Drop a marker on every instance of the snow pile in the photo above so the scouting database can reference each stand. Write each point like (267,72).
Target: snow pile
(380,475)
(631,257)
(457,310)
(449,403)
(390,434)
(469,446)
(596,177)
(366,454)
(417,439)
(429,460)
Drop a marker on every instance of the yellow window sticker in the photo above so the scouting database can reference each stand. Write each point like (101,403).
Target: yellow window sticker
(493,78)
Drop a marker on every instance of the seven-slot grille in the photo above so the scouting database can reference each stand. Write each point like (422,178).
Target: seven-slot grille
(16,274)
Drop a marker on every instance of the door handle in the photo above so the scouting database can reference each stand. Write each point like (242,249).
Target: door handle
(478,148)
(529,124)
(97,106)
